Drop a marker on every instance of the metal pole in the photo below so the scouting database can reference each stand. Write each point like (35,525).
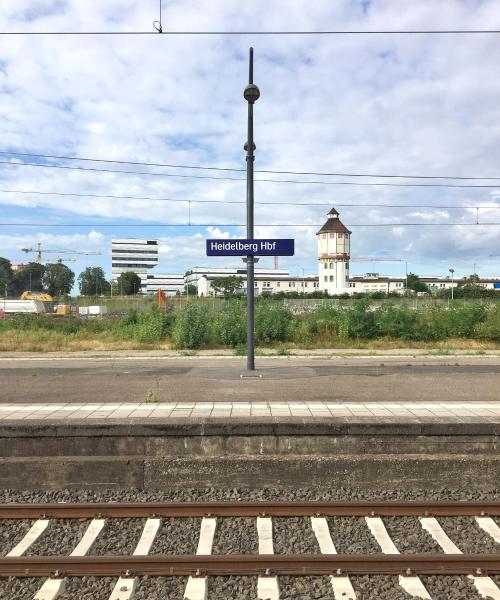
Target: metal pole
(251,94)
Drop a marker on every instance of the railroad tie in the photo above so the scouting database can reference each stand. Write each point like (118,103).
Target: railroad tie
(196,587)
(54,587)
(341,584)
(411,584)
(267,585)
(484,585)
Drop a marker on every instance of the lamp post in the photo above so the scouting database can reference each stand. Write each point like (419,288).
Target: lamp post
(451,271)
(251,94)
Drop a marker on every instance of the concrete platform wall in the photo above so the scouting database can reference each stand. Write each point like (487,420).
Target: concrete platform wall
(287,452)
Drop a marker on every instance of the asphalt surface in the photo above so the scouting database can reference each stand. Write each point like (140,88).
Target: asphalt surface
(341,379)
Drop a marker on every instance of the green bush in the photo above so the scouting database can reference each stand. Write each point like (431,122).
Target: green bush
(489,328)
(361,322)
(273,322)
(192,326)
(231,324)
(152,326)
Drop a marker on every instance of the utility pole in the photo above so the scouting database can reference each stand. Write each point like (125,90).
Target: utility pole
(451,271)
(251,94)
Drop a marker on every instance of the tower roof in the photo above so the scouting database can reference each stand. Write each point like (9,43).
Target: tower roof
(333,224)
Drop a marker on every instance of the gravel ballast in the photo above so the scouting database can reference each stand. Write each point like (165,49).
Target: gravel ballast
(233,587)
(380,587)
(60,538)
(160,588)
(236,535)
(22,588)
(119,537)
(410,537)
(466,534)
(447,587)
(12,532)
(294,535)
(351,535)
(305,588)
(177,536)
(88,588)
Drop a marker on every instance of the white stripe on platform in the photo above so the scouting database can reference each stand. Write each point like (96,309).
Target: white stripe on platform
(31,536)
(196,587)
(267,587)
(412,585)
(341,585)
(491,528)
(486,587)
(52,588)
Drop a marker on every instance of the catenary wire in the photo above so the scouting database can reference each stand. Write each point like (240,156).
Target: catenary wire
(268,203)
(233,169)
(264,33)
(190,224)
(293,181)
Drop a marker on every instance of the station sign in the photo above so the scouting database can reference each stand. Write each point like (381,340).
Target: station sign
(237,247)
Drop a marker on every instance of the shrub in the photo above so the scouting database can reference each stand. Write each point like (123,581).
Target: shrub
(231,324)
(489,329)
(361,321)
(152,326)
(273,322)
(192,326)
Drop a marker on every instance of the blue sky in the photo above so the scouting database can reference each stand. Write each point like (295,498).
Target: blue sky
(375,104)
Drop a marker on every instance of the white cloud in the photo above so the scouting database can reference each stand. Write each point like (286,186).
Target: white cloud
(378,104)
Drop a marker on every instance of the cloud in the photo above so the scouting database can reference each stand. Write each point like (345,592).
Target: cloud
(375,104)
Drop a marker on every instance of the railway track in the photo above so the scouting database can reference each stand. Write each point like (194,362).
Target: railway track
(259,550)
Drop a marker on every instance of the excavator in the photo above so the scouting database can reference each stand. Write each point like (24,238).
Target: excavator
(42,296)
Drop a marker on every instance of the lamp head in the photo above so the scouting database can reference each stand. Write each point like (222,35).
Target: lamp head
(251,93)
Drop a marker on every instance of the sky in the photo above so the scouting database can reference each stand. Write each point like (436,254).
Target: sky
(353,104)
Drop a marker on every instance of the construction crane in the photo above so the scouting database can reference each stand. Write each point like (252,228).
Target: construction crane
(38,251)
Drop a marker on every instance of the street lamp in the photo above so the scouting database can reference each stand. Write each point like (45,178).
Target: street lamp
(251,94)
(451,271)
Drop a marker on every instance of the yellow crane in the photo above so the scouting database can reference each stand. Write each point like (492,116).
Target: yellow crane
(38,251)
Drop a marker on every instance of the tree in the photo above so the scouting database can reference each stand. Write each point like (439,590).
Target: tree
(29,278)
(413,282)
(6,277)
(58,279)
(227,285)
(190,290)
(128,284)
(92,282)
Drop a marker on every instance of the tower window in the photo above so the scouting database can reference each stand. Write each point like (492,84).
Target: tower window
(324,235)
(341,235)
(332,235)
(331,265)
(326,265)
(326,278)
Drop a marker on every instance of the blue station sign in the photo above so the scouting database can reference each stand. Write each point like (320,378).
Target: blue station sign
(233,247)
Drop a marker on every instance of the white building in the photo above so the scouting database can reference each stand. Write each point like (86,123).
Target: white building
(129,254)
(334,247)
(140,256)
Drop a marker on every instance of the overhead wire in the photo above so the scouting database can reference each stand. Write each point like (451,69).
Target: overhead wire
(238,170)
(292,181)
(266,203)
(190,224)
(339,32)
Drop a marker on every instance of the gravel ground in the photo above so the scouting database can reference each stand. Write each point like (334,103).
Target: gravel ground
(88,588)
(12,532)
(351,535)
(160,588)
(381,587)
(177,536)
(207,494)
(294,535)
(468,536)
(20,589)
(305,588)
(409,536)
(234,588)
(60,537)
(119,536)
(236,535)
(446,587)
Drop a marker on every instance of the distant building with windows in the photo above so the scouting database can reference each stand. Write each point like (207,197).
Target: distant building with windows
(140,256)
